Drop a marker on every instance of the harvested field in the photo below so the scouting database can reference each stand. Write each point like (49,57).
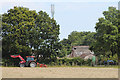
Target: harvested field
(59,72)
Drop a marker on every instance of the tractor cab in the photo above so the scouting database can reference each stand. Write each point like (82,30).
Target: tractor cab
(30,61)
(30,58)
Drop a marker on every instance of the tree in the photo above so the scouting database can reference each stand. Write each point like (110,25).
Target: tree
(0,38)
(48,35)
(107,33)
(25,32)
(16,25)
(118,38)
(65,48)
(81,38)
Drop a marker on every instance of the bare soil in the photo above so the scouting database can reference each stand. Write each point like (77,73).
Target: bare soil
(59,72)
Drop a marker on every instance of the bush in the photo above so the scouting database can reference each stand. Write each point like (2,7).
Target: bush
(77,61)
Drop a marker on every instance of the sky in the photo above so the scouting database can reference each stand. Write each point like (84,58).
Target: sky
(71,15)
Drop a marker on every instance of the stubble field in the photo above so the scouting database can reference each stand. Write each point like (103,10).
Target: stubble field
(59,72)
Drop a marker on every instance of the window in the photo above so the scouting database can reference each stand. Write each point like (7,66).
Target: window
(30,59)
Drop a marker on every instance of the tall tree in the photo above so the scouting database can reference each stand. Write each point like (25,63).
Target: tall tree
(108,31)
(25,31)
(0,37)
(16,25)
(48,35)
(118,38)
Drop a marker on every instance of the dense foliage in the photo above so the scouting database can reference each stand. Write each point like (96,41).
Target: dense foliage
(76,39)
(0,39)
(104,42)
(107,36)
(26,32)
(107,33)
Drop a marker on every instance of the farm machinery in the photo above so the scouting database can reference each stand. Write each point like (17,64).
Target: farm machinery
(30,62)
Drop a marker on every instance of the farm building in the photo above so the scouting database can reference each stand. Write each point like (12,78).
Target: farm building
(81,51)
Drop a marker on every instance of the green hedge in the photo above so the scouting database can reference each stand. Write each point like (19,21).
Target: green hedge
(77,61)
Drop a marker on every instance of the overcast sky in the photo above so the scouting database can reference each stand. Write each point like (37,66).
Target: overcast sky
(71,15)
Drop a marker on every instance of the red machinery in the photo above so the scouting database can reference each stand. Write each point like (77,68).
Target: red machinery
(29,61)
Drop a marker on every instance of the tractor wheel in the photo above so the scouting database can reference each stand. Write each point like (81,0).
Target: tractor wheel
(32,64)
(22,65)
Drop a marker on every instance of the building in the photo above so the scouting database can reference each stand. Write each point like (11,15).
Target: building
(81,51)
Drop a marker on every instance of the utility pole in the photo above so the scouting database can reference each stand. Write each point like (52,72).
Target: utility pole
(119,5)
(52,10)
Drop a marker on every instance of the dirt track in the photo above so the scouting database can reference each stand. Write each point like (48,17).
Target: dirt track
(59,72)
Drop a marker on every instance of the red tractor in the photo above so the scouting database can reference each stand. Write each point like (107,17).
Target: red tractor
(30,62)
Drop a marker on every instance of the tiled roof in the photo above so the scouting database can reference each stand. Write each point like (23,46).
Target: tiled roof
(80,51)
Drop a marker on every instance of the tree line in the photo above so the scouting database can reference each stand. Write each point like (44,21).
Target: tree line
(107,37)
(27,32)
(105,42)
